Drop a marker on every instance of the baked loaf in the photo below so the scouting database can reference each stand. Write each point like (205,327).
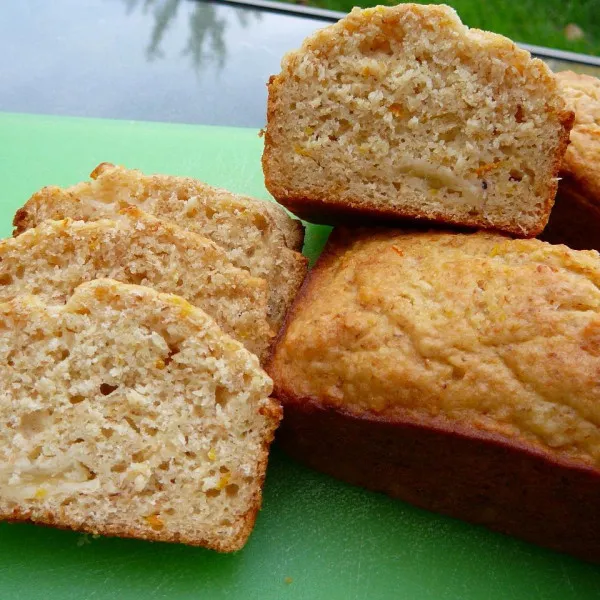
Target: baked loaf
(457,372)
(405,113)
(55,257)
(128,412)
(257,235)
(575,218)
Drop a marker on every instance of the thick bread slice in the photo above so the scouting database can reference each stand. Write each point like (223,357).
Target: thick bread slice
(128,412)
(403,112)
(575,218)
(53,258)
(456,372)
(257,235)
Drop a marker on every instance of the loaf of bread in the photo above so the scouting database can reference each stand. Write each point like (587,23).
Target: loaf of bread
(457,372)
(257,235)
(128,412)
(575,218)
(404,113)
(55,257)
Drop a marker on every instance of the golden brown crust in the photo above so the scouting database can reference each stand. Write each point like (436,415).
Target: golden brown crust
(414,425)
(349,213)
(582,159)
(575,219)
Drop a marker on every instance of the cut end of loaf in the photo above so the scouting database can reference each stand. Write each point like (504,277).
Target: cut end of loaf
(405,112)
(127,412)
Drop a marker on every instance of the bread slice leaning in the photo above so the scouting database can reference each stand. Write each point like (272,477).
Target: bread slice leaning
(405,113)
(456,372)
(257,236)
(52,259)
(127,412)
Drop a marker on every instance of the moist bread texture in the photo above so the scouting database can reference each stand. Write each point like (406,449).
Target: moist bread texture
(257,236)
(455,371)
(128,412)
(575,218)
(52,259)
(405,113)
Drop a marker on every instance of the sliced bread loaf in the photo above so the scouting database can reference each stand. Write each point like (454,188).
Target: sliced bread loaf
(258,236)
(403,112)
(128,412)
(53,258)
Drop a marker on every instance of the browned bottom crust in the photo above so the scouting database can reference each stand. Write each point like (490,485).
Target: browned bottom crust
(468,474)
(575,220)
(58,521)
(232,544)
(349,213)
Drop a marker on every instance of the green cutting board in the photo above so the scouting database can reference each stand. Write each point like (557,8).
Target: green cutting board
(315,537)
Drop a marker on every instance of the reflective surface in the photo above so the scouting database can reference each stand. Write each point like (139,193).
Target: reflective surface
(159,60)
(185,61)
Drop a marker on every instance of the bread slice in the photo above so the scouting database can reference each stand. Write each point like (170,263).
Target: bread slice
(456,372)
(575,219)
(53,258)
(403,112)
(127,412)
(257,236)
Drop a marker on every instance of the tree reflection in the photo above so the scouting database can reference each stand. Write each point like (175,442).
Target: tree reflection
(207,24)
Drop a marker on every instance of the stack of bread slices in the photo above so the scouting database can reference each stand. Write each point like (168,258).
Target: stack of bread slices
(136,312)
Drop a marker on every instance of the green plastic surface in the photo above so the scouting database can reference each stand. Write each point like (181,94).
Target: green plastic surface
(315,537)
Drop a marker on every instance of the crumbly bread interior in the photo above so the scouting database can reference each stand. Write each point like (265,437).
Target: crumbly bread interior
(52,259)
(129,412)
(494,335)
(404,111)
(257,236)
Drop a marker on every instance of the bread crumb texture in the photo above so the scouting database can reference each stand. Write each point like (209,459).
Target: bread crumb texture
(493,335)
(582,159)
(52,259)
(257,236)
(128,412)
(404,111)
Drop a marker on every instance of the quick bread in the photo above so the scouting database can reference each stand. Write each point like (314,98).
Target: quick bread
(404,113)
(575,218)
(127,412)
(457,372)
(52,259)
(257,236)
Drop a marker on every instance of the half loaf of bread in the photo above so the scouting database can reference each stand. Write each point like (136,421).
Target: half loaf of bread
(405,113)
